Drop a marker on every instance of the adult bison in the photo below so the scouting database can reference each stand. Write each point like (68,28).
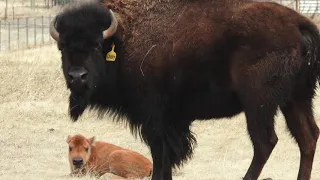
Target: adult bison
(181,60)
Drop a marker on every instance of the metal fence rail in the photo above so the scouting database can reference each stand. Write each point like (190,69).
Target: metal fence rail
(24,33)
(29,32)
(303,6)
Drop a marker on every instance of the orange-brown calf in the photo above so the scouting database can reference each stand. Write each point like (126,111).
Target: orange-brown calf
(97,157)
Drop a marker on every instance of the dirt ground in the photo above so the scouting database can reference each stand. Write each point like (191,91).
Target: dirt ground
(34,125)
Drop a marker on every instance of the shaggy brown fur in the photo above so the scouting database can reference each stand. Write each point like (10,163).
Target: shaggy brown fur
(182,60)
(101,158)
(149,28)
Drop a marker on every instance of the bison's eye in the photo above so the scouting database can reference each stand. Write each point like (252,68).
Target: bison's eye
(61,46)
(87,149)
(70,148)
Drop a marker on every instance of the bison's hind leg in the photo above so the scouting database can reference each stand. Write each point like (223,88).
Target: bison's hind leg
(260,107)
(300,121)
(260,125)
(262,88)
(263,85)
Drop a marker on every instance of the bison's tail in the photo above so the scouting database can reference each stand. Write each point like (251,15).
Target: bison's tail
(311,47)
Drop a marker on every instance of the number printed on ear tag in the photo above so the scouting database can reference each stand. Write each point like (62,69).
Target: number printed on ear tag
(111,55)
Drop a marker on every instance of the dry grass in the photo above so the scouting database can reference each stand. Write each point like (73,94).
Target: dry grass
(34,126)
(22,8)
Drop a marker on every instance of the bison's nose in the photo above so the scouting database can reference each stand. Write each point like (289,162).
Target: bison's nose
(78,74)
(77,161)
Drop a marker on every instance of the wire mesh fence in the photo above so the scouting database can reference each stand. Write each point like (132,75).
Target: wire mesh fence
(307,7)
(24,33)
(27,32)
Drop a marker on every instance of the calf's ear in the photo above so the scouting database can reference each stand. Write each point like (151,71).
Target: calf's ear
(92,140)
(68,138)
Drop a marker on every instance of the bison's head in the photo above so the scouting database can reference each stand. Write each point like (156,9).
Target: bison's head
(79,152)
(84,34)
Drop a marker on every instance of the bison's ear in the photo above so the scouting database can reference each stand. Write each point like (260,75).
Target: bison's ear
(91,140)
(109,5)
(69,138)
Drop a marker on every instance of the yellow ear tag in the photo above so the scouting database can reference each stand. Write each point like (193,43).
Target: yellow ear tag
(111,56)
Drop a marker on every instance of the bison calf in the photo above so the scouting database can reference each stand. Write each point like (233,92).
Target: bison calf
(97,157)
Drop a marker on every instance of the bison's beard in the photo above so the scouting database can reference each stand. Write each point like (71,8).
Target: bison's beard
(77,105)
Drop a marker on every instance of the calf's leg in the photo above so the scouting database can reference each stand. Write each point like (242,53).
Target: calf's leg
(110,176)
(301,123)
(124,164)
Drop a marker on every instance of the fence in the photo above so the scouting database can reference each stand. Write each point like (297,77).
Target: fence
(26,32)
(307,7)
(23,33)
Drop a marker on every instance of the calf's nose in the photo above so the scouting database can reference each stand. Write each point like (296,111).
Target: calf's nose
(76,74)
(77,161)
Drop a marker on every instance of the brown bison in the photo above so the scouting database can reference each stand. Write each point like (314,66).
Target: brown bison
(101,158)
(164,63)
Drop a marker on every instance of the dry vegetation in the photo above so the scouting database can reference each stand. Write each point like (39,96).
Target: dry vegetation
(21,8)
(34,125)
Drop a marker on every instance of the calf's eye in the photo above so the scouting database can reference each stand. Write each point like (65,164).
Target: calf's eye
(70,148)
(87,149)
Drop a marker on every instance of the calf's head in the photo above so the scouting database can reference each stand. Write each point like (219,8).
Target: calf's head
(79,151)
(82,33)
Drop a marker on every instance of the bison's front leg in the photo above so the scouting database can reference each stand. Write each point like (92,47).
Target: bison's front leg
(159,151)
(161,162)
(170,142)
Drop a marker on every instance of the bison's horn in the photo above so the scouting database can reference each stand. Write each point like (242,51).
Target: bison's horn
(113,27)
(53,32)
